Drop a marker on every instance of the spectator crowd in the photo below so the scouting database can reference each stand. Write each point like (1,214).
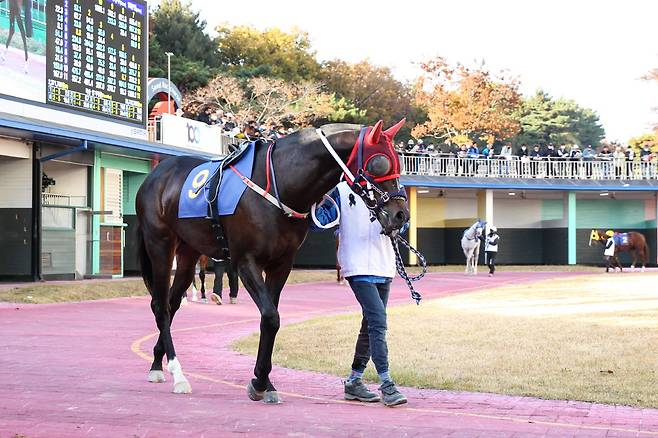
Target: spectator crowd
(247,130)
(608,160)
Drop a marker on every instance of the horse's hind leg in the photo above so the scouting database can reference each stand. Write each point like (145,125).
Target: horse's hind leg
(161,252)
(185,265)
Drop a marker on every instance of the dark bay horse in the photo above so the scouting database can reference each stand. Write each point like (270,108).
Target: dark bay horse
(637,247)
(261,239)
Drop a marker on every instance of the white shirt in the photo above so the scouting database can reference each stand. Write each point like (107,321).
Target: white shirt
(363,249)
(490,246)
(611,250)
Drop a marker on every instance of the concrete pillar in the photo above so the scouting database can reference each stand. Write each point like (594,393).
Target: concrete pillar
(95,249)
(485,206)
(570,219)
(413,223)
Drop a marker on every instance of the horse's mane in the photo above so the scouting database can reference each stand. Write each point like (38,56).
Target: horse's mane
(308,135)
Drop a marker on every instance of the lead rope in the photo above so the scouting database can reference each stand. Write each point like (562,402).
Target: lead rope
(399,264)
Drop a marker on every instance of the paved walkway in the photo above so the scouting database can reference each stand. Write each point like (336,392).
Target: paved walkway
(69,370)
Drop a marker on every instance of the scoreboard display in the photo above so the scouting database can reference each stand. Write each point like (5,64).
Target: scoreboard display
(96,54)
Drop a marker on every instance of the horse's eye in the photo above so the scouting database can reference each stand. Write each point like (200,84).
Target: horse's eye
(379,165)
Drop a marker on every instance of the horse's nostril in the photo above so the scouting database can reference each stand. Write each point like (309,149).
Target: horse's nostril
(400,216)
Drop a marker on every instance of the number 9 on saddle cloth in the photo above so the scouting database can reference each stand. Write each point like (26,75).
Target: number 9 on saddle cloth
(210,192)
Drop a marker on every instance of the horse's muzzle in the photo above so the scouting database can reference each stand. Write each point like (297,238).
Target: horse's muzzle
(393,219)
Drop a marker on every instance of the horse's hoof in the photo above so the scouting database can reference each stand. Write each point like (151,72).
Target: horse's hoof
(272,398)
(156,376)
(182,387)
(253,394)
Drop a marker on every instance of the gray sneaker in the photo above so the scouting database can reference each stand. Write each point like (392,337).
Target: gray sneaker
(356,390)
(390,394)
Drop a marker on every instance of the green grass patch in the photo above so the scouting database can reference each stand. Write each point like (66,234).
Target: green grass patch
(589,338)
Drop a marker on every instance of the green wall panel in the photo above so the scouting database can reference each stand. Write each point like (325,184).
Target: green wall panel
(131,183)
(552,209)
(611,213)
(124,163)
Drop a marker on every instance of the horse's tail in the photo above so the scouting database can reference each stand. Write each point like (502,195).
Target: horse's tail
(144,260)
(645,252)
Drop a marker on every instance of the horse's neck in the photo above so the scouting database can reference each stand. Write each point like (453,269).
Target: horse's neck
(311,171)
(470,233)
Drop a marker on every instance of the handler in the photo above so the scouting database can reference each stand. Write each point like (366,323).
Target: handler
(609,252)
(368,263)
(219,267)
(491,249)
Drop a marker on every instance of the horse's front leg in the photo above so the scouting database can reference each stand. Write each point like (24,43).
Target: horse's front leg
(476,259)
(261,388)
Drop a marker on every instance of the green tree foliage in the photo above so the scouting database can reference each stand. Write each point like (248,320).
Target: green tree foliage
(368,87)
(176,28)
(248,52)
(344,111)
(187,74)
(547,120)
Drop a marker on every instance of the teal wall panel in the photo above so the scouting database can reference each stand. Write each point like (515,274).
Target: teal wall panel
(131,183)
(552,209)
(611,213)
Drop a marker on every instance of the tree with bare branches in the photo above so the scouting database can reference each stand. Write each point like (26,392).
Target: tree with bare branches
(264,100)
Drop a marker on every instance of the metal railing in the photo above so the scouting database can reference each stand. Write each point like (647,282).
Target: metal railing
(57,200)
(514,167)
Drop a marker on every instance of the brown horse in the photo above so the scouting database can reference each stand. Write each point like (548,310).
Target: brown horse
(636,246)
(262,240)
(203,265)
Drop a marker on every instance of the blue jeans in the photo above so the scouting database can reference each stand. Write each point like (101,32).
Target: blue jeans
(371,341)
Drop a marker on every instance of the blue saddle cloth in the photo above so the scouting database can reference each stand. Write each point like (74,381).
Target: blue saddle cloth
(620,238)
(195,193)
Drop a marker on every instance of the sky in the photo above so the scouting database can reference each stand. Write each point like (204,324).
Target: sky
(594,52)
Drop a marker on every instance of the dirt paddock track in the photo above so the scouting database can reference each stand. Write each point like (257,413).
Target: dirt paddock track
(79,370)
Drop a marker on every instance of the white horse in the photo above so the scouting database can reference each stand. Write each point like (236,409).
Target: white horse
(471,246)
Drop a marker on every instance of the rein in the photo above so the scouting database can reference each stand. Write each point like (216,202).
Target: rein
(363,185)
(375,206)
(399,265)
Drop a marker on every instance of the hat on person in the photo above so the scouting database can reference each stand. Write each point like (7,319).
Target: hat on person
(493,228)
(410,142)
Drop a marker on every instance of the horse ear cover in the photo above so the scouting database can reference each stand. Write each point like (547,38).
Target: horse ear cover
(390,132)
(375,133)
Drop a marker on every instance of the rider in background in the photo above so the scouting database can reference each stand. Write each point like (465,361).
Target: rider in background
(609,252)
(368,264)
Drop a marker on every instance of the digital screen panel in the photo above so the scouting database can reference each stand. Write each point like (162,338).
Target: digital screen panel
(96,53)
